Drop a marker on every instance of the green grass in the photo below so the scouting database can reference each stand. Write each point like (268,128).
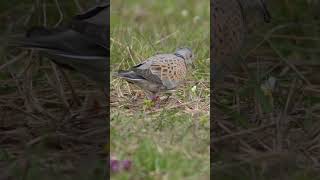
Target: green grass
(171,142)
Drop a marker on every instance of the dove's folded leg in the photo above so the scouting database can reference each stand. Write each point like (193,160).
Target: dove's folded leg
(168,97)
(152,96)
(156,101)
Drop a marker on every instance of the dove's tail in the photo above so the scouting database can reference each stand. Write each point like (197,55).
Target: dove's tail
(129,76)
(32,39)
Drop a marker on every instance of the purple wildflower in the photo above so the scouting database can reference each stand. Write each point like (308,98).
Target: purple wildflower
(126,164)
(118,165)
(114,165)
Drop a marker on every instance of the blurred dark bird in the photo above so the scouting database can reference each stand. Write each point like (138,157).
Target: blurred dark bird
(230,22)
(81,45)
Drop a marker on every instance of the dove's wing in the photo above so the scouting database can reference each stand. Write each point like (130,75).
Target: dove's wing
(166,69)
(98,15)
(94,24)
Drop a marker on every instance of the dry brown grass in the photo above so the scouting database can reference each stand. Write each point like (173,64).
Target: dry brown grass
(52,121)
(274,135)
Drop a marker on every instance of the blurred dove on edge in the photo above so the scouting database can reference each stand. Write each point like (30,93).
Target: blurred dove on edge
(230,22)
(82,45)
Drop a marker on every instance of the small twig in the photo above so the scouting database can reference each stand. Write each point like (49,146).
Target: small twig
(73,92)
(166,37)
(20,56)
(78,5)
(44,10)
(60,13)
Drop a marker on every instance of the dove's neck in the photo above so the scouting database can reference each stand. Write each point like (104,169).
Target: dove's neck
(179,55)
(184,60)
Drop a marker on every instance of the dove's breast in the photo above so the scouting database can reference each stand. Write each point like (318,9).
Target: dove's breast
(173,70)
(170,69)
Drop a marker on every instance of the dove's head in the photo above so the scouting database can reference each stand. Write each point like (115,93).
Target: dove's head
(186,53)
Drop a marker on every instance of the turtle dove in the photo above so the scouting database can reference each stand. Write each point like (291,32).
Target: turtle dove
(159,73)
